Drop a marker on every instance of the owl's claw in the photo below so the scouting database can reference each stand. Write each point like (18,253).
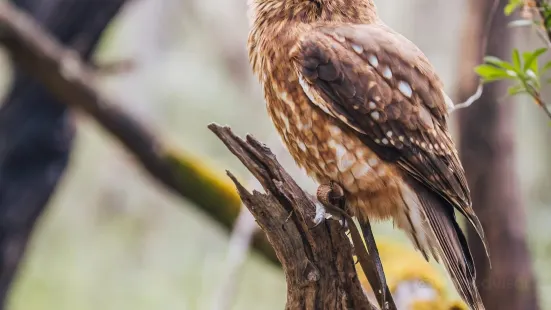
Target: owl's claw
(331,206)
(331,194)
(331,198)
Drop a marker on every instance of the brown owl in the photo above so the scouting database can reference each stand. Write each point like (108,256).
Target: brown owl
(358,104)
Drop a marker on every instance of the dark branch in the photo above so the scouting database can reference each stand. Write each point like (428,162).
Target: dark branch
(317,260)
(36,130)
(74,83)
(63,72)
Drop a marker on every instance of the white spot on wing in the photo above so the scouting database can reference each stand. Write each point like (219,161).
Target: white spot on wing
(357,48)
(375,115)
(372,105)
(373,60)
(405,89)
(387,73)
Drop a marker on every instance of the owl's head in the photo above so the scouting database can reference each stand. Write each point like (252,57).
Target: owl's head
(307,11)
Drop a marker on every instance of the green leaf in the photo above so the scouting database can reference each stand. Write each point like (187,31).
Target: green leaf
(516,89)
(516,60)
(531,59)
(546,67)
(491,73)
(498,62)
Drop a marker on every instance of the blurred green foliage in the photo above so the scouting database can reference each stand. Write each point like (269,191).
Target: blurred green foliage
(523,69)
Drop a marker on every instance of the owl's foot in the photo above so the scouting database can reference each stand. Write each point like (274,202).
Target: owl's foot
(331,206)
(331,196)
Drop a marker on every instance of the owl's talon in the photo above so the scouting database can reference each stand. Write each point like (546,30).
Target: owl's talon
(331,194)
(328,212)
(321,215)
(331,197)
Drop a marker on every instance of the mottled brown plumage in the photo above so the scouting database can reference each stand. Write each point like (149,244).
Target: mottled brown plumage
(358,104)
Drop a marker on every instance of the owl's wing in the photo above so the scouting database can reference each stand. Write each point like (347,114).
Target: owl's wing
(381,85)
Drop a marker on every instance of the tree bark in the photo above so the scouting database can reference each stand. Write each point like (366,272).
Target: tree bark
(36,130)
(317,260)
(487,147)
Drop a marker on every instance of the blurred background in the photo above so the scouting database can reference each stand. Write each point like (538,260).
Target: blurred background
(111,238)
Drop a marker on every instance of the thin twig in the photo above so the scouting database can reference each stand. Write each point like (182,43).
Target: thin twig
(480,88)
(474,97)
(541,103)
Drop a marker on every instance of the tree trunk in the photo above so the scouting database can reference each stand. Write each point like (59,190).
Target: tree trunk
(487,146)
(36,129)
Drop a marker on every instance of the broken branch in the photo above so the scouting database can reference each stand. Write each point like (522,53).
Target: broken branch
(317,260)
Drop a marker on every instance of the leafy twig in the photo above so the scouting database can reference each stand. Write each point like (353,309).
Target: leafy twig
(523,68)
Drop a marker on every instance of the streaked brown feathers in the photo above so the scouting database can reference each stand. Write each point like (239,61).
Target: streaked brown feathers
(382,85)
(358,104)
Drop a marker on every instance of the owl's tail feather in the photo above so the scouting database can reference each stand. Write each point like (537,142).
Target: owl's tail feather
(438,233)
(373,269)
